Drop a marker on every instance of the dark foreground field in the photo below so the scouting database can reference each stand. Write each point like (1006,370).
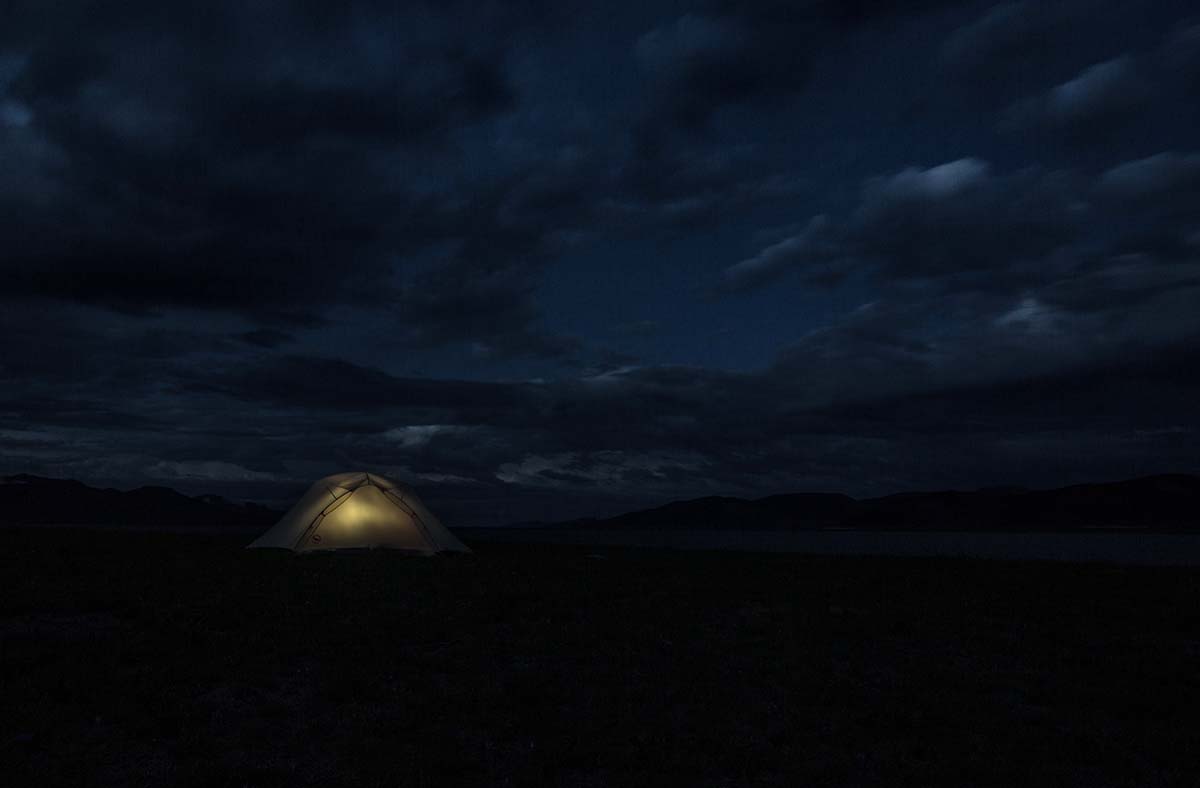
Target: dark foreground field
(148,659)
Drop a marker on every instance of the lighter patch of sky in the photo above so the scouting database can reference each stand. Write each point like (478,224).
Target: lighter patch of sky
(1031,315)
(416,435)
(207,470)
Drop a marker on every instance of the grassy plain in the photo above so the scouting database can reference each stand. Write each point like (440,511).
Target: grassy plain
(158,659)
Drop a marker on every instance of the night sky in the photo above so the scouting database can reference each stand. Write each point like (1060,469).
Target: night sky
(552,260)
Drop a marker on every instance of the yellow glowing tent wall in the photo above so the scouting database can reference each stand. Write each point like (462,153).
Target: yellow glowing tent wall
(359,510)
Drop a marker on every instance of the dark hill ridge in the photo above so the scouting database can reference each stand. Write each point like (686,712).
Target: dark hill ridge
(1162,503)
(1169,502)
(38,500)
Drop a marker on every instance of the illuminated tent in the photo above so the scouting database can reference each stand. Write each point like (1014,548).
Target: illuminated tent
(360,510)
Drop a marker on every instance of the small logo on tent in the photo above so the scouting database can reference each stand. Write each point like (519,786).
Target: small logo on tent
(316,537)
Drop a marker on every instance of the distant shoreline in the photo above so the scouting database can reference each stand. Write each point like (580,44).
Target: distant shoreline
(1109,546)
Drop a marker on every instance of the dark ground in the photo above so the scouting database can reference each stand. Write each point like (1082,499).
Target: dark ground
(152,659)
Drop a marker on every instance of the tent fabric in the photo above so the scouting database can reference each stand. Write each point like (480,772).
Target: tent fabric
(350,510)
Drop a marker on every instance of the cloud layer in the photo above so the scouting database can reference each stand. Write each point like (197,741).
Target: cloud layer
(545,260)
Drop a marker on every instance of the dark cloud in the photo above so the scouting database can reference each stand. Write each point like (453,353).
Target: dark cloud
(704,63)
(812,247)
(1099,99)
(755,56)
(1153,202)
(1009,36)
(187,169)
(290,112)
(1180,53)
(476,246)
(850,408)
(957,224)
(313,382)
(265,337)
(1171,177)
(959,218)
(1018,309)
(277,164)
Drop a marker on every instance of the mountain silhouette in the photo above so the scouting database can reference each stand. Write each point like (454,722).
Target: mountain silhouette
(1166,502)
(39,500)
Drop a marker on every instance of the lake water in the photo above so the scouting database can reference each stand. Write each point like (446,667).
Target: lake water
(1106,547)
(1124,548)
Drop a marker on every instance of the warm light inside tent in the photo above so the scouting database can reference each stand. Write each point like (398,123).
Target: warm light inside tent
(366,516)
(359,510)
(352,514)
